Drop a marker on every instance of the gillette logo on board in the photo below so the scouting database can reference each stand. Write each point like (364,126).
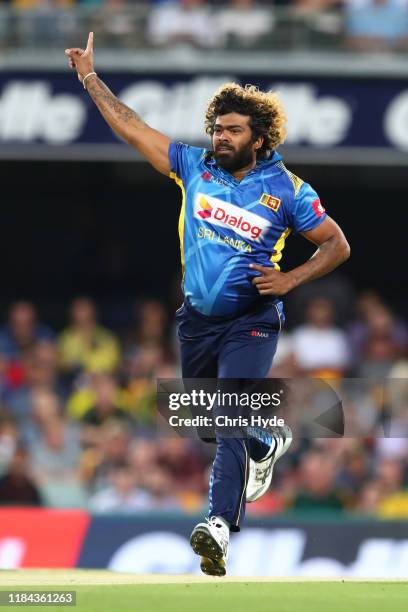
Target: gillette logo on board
(240,221)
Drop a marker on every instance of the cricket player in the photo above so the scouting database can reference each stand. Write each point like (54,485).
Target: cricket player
(239,205)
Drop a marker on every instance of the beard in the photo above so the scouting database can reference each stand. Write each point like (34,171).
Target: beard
(234,160)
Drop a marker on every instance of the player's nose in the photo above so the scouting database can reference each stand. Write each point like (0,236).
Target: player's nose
(223,140)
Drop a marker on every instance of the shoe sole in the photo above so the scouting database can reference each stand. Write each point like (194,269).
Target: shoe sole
(213,568)
(285,447)
(203,544)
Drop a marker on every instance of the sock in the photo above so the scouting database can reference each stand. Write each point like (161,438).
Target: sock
(223,520)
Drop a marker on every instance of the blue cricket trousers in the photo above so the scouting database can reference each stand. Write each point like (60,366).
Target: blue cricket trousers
(228,348)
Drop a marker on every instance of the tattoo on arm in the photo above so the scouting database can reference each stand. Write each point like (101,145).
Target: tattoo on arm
(115,112)
(151,144)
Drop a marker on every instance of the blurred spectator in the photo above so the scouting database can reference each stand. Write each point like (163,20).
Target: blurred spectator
(117,23)
(370,498)
(395,506)
(151,326)
(376,25)
(105,405)
(8,441)
(54,460)
(185,466)
(45,362)
(353,473)
(182,22)
(143,456)
(381,347)
(45,407)
(368,306)
(147,352)
(16,487)
(313,6)
(146,457)
(122,495)
(22,331)
(396,395)
(108,449)
(390,475)
(318,346)
(55,455)
(85,345)
(40,373)
(30,4)
(242,23)
(6,378)
(43,20)
(160,487)
(151,362)
(147,357)
(284,365)
(145,367)
(317,490)
(100,394)
(103,442)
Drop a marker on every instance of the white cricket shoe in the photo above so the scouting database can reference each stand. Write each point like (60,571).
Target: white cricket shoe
(260,472)
(210,540)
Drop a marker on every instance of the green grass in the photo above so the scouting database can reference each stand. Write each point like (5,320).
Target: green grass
(218,596)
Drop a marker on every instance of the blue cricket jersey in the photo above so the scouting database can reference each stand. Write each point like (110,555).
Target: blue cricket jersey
(227,224)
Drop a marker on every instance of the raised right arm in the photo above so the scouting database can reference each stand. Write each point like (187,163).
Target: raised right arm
(153,145)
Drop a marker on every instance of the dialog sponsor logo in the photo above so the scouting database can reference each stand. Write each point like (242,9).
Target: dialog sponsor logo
(223,214)
(206,211)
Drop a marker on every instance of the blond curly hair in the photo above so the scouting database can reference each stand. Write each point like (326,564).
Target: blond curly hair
(267,116)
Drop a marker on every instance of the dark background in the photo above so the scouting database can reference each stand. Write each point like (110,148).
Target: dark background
(109,230)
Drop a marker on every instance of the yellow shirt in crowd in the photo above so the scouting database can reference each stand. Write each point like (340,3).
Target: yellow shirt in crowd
(96,353)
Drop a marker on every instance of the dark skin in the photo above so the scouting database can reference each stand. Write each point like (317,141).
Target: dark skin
(232,133)
(233,144)
(232,139)
(333,250)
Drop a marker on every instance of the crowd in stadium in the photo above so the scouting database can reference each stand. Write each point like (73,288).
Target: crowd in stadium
(78,414)
(362,25)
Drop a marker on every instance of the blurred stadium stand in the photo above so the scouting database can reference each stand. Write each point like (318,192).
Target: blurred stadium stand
(82,214)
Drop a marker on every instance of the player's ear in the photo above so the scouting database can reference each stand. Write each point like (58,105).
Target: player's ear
(258,143)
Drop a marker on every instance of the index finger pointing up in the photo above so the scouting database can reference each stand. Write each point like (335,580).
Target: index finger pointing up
(89,44)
